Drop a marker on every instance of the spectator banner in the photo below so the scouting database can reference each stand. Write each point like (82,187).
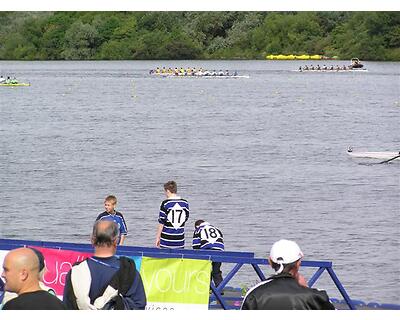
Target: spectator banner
(58,263)
(176,284)
(170,284)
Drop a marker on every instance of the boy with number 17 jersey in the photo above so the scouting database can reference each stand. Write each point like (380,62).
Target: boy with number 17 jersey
(174,212)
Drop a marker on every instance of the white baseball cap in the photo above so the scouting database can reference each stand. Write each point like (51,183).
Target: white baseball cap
(285,251)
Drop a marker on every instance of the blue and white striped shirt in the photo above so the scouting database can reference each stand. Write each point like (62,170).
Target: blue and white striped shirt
(173,214)
(206,236)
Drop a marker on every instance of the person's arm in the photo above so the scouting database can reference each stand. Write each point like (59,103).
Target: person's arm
(121,241)
(68,292)
(162,219)
(196,243)
(123,230)
(158,236)
(136,296)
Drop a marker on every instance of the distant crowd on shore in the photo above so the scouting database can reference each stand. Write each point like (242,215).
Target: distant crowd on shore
(107,281)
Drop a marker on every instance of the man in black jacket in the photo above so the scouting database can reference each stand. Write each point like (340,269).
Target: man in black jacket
(287,289)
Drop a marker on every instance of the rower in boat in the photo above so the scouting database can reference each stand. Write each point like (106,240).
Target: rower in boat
(2,80)
(11,81)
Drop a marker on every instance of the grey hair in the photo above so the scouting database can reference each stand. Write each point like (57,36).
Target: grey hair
(105,236)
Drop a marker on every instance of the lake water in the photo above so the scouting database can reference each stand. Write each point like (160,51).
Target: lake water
(262,158)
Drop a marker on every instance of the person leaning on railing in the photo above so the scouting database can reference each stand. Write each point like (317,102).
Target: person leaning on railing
(287,289)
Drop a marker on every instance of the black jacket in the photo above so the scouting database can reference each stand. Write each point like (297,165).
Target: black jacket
(282,292)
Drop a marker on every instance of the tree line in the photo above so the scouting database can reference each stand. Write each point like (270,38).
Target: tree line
(197,35)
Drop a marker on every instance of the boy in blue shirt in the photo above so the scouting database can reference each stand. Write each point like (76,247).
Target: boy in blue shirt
(113,215)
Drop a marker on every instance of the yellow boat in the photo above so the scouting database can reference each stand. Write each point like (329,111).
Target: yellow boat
(15,84)
(294,57)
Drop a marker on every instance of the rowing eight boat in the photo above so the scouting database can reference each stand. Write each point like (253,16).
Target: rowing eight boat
(200,76)
(335,70)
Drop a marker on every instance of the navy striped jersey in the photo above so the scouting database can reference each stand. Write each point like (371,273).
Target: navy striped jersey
(206,236)
(117,217)
(173,214)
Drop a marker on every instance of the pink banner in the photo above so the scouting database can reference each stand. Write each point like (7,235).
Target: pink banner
(58,263)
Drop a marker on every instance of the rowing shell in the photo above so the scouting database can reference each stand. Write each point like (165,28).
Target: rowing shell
(347,70)
(373,155)
(15,84)
(198,76)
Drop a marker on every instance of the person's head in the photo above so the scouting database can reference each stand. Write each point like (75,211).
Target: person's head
(198,223)
(105,234)
(109,203)
(21,270)
(285,257)
(170,188)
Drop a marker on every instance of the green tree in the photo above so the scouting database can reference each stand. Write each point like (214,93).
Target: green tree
(81,41)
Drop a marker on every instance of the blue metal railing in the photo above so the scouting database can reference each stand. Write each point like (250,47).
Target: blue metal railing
(239,259)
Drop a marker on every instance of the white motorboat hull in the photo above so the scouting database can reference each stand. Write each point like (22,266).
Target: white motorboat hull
(377,156)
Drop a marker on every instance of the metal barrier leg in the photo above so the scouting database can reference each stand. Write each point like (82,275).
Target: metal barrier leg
(217,291)
(315,277)
(341,289)
(259,272)
(219,297)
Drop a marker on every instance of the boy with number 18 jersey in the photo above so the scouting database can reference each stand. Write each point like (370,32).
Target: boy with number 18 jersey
(208,237)
(174,212)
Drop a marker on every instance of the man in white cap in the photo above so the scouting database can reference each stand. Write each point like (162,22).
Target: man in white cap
(287,289)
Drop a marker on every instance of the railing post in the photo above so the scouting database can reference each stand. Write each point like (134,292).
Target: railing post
(315,277)
(218,296)
(259,272)
(341,289)
(224,282)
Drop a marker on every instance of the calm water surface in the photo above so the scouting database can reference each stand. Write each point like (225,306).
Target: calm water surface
(263,158)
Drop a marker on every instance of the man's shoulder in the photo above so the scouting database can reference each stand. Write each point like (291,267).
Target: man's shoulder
(318,292)
(11,304)
(259,287)
(34,300)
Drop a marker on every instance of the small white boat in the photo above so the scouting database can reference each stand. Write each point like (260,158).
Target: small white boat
(381,156)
